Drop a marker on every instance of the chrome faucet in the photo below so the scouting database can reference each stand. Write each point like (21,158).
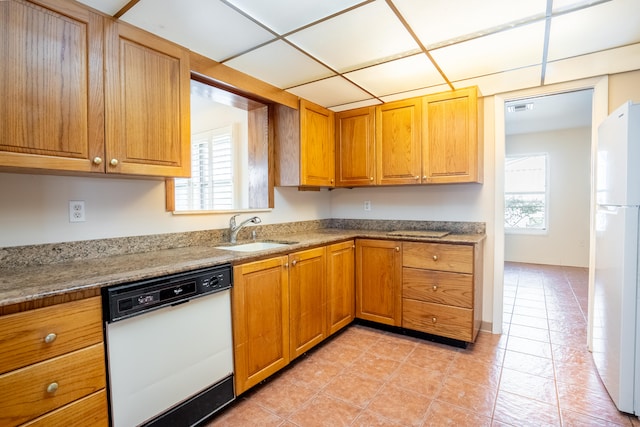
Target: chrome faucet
(234,229)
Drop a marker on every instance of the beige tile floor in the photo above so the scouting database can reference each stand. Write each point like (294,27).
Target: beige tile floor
(538,373)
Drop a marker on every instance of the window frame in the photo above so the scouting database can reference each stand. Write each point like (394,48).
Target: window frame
(529,230)
(210,137)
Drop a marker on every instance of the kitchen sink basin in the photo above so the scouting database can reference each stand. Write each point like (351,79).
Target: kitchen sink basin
(255,246)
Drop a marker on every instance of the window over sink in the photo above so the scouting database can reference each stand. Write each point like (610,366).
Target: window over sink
(229,154)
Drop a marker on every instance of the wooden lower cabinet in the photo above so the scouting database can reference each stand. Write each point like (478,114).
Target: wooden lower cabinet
(284,306)
(88,411)
(52,366)
(441,289)
(260,310)
(340,285)
(307,299)
(379,281)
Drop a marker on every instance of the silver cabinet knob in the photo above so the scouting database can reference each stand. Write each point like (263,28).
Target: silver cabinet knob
(397,248)
(435,257)
(434,319)
(417,177)
(114,162)
(294,262)
(50,338)
(424,177)
(435,287)
(52,388)
(97,160)
(371,179)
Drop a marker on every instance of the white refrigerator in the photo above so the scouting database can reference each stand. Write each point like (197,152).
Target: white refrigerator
(616,314)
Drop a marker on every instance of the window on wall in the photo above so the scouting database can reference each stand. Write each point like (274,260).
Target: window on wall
(212,185)
(230,164)
(525,199)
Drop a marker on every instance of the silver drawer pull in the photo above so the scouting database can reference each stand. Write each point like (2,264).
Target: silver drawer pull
(52,388)
(50,338)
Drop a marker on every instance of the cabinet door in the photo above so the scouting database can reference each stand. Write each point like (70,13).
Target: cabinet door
(147,104)
(452,144)
(260,310)
(340,285)
(379,281)
(51,114)
(317,145)
(398,142)
(355,147)
(307,299)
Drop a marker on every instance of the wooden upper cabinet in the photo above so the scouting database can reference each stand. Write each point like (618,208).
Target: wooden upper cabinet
(147,103)
(317,145)
(84,93)
(51,114)
(452,137)
(398,137)
(304,145)
(355,147)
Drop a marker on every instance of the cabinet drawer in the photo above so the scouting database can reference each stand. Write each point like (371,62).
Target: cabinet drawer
(438,256)
(88,411)
(22,335)
(438,287)
(437,319)
(23,392)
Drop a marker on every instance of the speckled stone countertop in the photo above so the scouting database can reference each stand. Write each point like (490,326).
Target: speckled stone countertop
(23,282)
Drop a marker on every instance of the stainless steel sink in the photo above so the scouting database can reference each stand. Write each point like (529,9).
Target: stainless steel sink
(255,246)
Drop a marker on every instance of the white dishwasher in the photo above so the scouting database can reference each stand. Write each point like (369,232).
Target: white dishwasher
(169,348)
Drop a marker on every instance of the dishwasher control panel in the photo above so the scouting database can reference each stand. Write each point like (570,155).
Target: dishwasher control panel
(123,301)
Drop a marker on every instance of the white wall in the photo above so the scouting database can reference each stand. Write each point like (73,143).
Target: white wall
(566,241)
(35,209)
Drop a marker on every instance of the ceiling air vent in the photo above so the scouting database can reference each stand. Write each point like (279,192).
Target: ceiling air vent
(514,108)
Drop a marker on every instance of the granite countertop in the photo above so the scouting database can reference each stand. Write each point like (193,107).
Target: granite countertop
(27,283)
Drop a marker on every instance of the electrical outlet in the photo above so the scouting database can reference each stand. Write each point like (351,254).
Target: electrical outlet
(367,205)
(76,211)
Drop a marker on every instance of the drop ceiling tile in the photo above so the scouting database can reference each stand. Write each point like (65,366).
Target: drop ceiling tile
(417,92)
(280,64)
(435,21)
(283,16)
(366,103)
(521,78)
(605,26)
(563,5)
(208,27)
(401,75)
(506,50)
(110,7)
(362,37)
(331,92)
(611,61)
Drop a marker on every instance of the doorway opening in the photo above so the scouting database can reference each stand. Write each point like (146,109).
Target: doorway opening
(547,191)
